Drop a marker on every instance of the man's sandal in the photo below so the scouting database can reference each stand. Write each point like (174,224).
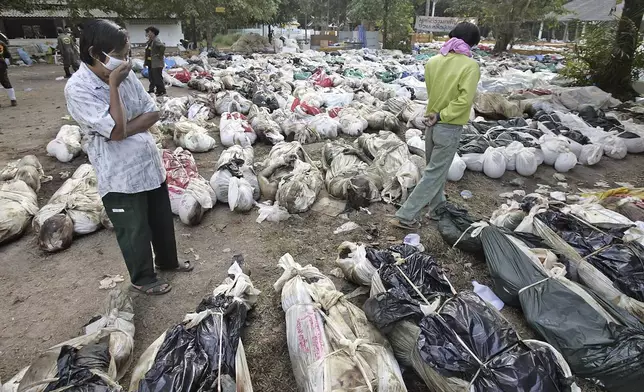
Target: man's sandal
(186,266)
(154,288)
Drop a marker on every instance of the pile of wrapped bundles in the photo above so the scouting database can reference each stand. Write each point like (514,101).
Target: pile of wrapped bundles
(331,344)
(600,248)
(599,339)
(454,341)
(525,118)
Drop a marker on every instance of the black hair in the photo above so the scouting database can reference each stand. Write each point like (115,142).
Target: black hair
(468,32)
(101,36)
(59,30)
(152,29)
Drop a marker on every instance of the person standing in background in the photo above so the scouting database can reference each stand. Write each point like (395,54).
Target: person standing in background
(154,53)
(68,51)
(5,60)
(451,78)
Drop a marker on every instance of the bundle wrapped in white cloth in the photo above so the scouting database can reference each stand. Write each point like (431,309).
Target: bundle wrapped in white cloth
(331,344)
(75,208)
(190,194)
(67,144)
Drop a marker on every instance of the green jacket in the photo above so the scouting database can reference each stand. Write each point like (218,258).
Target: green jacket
(157,51)
(451,87)
(68,49)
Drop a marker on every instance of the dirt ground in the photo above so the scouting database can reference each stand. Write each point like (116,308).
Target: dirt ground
(47,298)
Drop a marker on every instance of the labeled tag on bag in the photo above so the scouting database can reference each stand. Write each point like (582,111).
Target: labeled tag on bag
(118,210)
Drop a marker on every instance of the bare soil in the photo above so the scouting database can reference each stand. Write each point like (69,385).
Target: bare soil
(47,298)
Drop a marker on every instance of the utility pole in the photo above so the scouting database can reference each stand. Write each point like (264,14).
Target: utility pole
(431,33)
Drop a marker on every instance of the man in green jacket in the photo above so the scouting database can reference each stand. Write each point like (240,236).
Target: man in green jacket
(452,78)
(68,50)
(154,53)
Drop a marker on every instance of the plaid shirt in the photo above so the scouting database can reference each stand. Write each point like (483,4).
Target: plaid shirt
(132,165)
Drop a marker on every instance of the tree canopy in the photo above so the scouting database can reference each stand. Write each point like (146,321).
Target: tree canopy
(505,16)
(393,17)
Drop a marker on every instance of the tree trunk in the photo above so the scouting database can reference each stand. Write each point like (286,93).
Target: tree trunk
(617,77)
(385,26)
(503,39)
(209,36)
(194,31)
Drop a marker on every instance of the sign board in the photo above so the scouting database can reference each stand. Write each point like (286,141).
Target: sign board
(436,23)
(220,10)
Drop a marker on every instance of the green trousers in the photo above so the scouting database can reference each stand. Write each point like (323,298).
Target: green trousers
(141,219)
(441,143)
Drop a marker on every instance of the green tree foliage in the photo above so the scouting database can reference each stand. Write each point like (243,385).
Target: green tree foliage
(237,12)
(505,16)
(393,17)
(586,65)
(287,10)
(608,54)
(618,76)
(20,5)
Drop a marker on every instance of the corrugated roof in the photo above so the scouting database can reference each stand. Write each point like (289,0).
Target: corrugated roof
(592,10)
(59,13)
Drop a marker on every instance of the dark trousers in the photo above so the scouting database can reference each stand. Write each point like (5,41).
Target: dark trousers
(156,81)
(74,66)
(141,219)
(4,78)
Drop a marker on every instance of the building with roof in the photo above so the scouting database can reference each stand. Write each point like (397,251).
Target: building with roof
(592,10)
(39,26)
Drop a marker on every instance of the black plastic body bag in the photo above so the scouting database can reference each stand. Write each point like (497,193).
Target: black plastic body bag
(188,360)
(595,348)
(509,364)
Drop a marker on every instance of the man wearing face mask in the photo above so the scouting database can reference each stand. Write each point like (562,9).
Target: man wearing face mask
(114,111)
(154,53)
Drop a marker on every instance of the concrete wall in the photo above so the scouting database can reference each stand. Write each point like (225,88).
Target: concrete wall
(169,30)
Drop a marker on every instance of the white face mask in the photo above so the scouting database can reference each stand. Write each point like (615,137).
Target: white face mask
(113,63)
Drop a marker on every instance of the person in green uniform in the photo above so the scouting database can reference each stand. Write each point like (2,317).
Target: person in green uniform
(68,50)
